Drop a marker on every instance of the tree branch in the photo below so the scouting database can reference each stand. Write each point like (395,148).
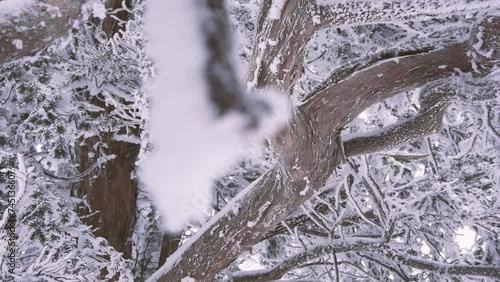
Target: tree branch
(307,156)
(427,122)
(276,272)
(369,12)
(35,27)
(445,268)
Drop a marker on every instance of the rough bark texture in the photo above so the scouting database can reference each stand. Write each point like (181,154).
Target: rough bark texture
(307,157)
(169,245)
(426,122)
(110,191)
(363,11)
(307,149)
(284,38)
(57,16)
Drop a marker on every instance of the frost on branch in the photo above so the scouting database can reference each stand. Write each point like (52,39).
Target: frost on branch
(200,116)
(376,197)
(27,27)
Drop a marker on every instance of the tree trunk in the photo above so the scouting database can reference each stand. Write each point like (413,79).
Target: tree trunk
(308,156)
(308,153)
(110,191)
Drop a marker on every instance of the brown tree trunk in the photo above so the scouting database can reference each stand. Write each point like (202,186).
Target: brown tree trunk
(110,191)
(169,245)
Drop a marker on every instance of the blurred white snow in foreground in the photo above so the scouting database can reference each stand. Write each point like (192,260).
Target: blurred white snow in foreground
(191,145)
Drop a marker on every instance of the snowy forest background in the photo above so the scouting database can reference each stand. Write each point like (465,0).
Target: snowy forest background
(341,140)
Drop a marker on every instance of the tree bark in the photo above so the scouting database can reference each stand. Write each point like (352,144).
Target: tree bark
(42,22)
(426,122)
(111,191)
(276,272)
(369,12)
(306,148)
(307,158)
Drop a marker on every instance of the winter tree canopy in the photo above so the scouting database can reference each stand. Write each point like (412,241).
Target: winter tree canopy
(250,140)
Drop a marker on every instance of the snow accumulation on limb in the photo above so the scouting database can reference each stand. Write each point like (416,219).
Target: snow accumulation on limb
(426,122)
(445,268)
(28,26)
(347,13)
(315,122)
(336,246)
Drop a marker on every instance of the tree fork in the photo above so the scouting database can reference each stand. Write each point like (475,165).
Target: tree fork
(305,144)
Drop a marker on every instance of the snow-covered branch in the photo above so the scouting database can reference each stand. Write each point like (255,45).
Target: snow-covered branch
(490,271)
(426,122)
(346,13)
(29,26)
(336,246)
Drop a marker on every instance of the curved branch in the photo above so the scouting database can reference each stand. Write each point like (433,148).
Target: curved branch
(347,13)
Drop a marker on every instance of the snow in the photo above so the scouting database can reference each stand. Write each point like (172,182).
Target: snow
(276,9)
(307,187)
(12,8)
(465,238)
(98,10)
(18,43)
(275,64)
(229,208)
(192,146)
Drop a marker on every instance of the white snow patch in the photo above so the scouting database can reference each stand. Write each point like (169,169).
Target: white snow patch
(252,262)
(276,9)
(13,8)
(419,171)
(192,146)
(308,186)
(188,279)
(272,42)
(98,10)
(18,43)
(316,19)
(465,238)
(274,65)
(261,211)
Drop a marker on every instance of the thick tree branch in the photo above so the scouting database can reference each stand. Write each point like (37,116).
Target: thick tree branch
(427,122)
(348,13)
(283,189)
(280,44)
(35,27)
(307,156)
(276,272)
(445,268)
